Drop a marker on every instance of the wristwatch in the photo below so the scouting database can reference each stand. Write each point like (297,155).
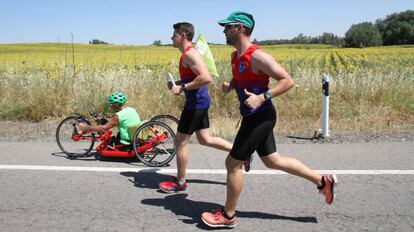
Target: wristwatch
(267,95)
(183,87)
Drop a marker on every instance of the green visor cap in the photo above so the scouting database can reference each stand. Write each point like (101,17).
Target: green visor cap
(239,17)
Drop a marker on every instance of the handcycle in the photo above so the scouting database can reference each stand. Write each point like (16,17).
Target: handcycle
(152,142)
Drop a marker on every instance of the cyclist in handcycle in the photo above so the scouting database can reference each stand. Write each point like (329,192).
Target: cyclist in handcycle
(152,142)
(125,116)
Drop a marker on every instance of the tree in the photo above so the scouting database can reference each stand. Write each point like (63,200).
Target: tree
(325,38)
(157,43)
(363,35)
(301,39)
(97,41)
(329,38)
(397,28)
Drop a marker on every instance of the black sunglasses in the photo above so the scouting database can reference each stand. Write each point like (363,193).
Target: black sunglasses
(230,26)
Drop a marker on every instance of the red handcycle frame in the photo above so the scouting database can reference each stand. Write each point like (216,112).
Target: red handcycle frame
(150,140)
(117,151)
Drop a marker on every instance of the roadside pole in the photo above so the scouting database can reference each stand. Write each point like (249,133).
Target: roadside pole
(324,131)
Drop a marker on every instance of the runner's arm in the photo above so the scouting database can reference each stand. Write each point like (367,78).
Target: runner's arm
(263,63)
(229,85)
(195,62)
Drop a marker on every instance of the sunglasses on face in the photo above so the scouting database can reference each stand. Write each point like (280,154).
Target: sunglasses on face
(230,26)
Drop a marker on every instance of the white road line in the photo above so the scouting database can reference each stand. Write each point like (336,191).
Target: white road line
(197,171)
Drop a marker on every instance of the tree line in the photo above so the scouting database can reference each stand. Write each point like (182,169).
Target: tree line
(97,41)
(395,29)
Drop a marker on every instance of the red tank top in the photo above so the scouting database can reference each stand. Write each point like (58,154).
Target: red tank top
(186,73)
(242,72)
(245,78)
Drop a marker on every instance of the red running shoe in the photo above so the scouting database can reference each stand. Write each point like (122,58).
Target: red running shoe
(172,186)
(329,190)
(217,219)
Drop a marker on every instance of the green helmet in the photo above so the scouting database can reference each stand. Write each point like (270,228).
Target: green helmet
(116,98)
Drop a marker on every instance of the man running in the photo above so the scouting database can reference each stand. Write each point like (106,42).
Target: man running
(194,117)
(252,68)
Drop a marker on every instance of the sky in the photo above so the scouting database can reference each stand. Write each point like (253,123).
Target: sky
(142,22)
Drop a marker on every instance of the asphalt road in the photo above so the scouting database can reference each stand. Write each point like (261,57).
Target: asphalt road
(40,196)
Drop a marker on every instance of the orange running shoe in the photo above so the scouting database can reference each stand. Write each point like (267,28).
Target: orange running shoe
(217,219)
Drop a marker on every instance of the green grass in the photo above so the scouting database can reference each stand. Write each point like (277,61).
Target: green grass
(361,101)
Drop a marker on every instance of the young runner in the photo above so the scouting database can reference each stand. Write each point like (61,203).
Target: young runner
(194,117)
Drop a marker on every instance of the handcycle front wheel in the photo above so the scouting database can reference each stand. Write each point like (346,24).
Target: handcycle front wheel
(154,144)
(64,137)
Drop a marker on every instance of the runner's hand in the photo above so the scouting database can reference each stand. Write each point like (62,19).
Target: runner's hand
(170,85)
(225,87)
(253,101)
(176,89)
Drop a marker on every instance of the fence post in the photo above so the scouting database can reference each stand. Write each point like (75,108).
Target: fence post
(324,131)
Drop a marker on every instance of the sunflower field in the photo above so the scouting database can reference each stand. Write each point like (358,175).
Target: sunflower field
(371,89)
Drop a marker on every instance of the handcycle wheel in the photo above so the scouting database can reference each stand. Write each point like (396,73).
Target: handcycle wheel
(170,120)
(71,147)
(154,144)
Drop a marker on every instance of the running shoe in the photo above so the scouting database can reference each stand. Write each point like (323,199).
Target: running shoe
(172,186)
(248,164)
(329,188)
(217,219)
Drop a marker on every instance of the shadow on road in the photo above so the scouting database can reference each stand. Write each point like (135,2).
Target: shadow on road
(95,156)
(150,179)
(191,210)
(181,206)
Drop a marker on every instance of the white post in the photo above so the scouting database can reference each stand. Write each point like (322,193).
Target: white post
(325,106)
(171,78)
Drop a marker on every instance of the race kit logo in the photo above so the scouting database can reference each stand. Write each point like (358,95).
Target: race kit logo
(242,66)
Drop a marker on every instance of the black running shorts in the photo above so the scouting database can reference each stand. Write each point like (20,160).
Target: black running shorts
(193,120)
(255,134)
